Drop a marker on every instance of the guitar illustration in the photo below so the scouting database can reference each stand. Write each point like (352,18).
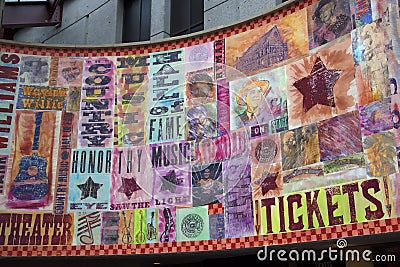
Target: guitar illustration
(126,237)
(151,230)
(169,222)
(140,236)
(31,182)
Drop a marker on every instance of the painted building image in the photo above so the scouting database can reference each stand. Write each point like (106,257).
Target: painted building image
(282,130)
(267,51)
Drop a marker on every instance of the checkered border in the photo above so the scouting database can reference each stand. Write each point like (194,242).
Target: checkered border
(340,231)
(156,47)
(215,209)
(333,232)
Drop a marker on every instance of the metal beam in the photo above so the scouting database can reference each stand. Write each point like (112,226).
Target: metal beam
(2,4)
(32,15)
(53,4)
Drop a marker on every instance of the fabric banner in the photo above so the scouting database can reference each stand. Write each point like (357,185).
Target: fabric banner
(89,184)
(152,225)
(166,97)
(217,226)
(358,201)
(131,184)
(36,229)
(167,224)
(279,41)
(97,98)
(131,96)
(288,122)
(9,66)
(68,140)
(34,70)
(171,173)
(41,97)
(109,227)
(34,160)
(192,224)
(126,227)
(139,229)
(238,205)
(88,227)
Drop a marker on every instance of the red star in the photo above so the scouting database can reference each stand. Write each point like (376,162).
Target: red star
(317,88)
(269,183)
(128,187)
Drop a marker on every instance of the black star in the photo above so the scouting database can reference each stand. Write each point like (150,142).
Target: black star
(317,88)
(169,182)
(269,183)
(89,188)
(128,187)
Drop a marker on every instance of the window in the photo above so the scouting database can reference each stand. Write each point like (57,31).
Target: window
(24,1)
(186,16)
(136,26)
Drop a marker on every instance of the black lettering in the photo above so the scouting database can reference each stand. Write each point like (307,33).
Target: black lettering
(168,57)
(133,78)
(156,156)
(100,68)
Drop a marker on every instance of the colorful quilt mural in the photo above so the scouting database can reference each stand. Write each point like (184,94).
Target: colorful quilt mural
(290,125)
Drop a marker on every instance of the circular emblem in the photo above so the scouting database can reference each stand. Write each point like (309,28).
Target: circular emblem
(65,155)
(266,151)
(199,54)
(192,225)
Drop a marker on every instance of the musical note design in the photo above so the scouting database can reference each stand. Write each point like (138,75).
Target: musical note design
(140,236)
(86,224)
(126,237)
(151,230)
(169,222)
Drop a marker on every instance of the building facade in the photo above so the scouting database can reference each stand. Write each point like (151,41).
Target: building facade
(278,132)
(102,22)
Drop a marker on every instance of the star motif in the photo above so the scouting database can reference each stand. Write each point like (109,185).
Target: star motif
(128,187)
(317,88)
(89,188)
(169,182)
(269,183)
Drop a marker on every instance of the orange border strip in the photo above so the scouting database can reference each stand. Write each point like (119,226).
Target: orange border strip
(333,232)
(340,231)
